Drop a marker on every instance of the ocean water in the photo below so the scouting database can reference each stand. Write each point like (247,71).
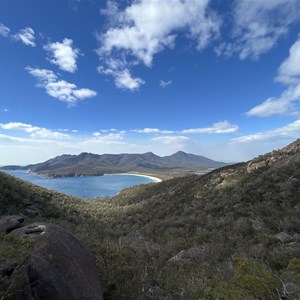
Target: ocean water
(85,187)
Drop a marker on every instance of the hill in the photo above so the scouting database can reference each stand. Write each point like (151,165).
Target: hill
(88,164)
(233,233)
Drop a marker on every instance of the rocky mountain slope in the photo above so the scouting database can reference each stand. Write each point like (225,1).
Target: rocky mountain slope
(86,164)
(233,233)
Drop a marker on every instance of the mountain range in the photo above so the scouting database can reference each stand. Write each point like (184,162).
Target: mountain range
(88,164)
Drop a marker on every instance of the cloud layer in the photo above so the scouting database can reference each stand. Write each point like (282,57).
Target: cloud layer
(216,128)
(290,131)
(34,131)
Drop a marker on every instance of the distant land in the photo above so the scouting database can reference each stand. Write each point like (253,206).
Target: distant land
(88,164)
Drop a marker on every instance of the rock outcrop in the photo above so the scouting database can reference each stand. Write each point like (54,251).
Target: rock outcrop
(58,267)
(288,154)
(9,223)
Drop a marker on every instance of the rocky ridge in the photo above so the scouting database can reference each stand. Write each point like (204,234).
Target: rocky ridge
(288,154)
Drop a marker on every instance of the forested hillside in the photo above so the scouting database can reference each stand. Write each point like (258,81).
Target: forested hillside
(233,233)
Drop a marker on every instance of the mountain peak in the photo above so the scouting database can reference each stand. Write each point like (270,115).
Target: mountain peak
(149,154)
(180,153)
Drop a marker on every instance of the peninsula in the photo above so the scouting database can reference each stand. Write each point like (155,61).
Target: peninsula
(88,164)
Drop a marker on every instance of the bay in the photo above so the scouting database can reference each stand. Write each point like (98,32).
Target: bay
(86,187)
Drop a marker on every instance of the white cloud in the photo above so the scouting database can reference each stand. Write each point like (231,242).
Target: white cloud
(12,138)
(123,78)
(42,75)
(5,110)
(60,89)
(288,101)
(258,25)
(68,92)
(63,55)
(111,138)
(4,31)
(26,36)
(109,130)
(289,131)
(219,127)
(147,27)
(152,130)
(289,70)
(37,144)
(178,140)
(165,83)
(216,128)
(34,131)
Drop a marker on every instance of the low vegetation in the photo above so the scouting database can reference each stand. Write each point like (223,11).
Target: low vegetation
(231,234)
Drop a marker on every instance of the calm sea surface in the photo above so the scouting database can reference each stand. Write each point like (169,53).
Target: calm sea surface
(85,187)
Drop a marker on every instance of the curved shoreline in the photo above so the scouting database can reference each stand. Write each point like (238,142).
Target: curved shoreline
(155,179)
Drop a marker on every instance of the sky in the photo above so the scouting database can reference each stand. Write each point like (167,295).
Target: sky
(219,78)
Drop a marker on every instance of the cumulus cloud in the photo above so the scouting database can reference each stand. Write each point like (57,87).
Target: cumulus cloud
(291,130)
(43,75)
(288,101)
(64,55)
(4,31)
(123,78)
(26,36)
(147,27)
(34,131)
(258,25)
(164,83)
(60,89)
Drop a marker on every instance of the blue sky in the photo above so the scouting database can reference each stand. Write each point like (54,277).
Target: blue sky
(210,77)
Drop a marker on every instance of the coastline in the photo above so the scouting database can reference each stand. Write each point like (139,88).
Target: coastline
(146,175)
(155,179)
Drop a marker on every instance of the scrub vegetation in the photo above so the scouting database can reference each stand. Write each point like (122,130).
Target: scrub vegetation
(233,233)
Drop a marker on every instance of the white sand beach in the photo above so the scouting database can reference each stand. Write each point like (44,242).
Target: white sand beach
(155,179)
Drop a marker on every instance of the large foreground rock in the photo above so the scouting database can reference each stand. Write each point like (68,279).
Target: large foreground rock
(60,266)
(10,223)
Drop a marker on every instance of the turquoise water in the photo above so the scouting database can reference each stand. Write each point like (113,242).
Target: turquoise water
(85,187)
